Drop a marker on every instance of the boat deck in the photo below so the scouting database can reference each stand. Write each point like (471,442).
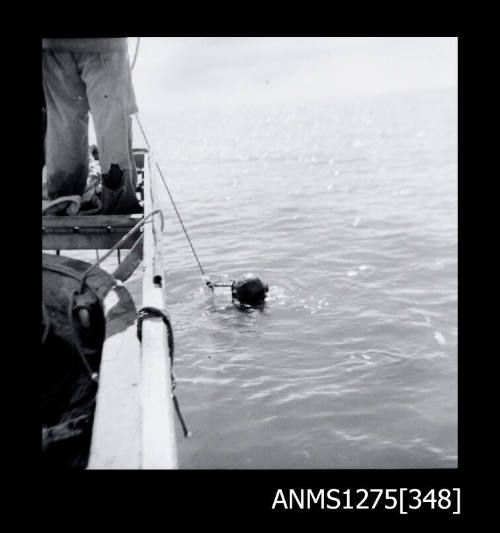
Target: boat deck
(95,232)
(134,418)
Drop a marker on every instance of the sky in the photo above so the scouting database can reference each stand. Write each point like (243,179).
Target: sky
(183,72)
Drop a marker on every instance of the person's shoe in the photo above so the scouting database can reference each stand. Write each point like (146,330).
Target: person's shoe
(118,194)
(120,202)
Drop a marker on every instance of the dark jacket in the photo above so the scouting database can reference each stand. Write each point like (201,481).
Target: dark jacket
(100,44)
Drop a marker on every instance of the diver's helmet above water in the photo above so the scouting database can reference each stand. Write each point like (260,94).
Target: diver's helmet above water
(249,290)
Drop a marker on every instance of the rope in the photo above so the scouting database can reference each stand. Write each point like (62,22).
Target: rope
(147,312)
(143,132)
(180,220)
(94,376)
(64,430)
(136,53)
(200,266)
(117,245)
(46,322)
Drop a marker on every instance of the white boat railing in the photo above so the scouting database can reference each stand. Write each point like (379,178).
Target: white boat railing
(134,423)
(159,449)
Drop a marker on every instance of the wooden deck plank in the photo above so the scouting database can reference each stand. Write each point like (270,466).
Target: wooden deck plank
(91,221)
(85,242)
(95,232)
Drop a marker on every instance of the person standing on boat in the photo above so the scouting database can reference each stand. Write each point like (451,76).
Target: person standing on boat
(81,76)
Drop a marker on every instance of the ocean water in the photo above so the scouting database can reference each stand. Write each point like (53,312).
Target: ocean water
(347,208)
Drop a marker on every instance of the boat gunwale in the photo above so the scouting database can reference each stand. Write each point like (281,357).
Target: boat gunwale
(143,436)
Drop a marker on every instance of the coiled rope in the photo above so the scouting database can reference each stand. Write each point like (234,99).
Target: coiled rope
(147,312)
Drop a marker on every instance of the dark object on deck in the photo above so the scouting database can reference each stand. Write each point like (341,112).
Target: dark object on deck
(72,338)
(249,290)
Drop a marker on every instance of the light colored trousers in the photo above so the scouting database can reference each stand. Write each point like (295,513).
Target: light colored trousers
(74,84)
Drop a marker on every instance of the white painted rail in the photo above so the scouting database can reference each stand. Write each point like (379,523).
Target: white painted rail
(134,425)
(159,449)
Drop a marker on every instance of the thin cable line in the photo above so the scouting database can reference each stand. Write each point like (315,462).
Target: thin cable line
(173,203)
(136,53)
